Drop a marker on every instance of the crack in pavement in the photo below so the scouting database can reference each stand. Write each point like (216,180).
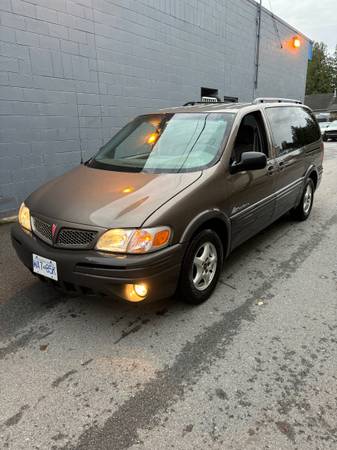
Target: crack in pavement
(14,420)
(142,410)
(22,340)
(60,380)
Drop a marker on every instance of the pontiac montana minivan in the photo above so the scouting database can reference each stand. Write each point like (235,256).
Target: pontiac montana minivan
(164,202)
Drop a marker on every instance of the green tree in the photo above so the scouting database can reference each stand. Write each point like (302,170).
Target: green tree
(334,68)
(321,70)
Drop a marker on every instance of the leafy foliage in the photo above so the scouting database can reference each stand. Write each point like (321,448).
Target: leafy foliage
(322,70)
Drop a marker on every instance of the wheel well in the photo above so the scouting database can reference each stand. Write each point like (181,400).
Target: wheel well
(314,178)
(219,227)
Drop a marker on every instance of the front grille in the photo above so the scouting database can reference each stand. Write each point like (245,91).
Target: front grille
(42,229)
(75,238)
(65,237)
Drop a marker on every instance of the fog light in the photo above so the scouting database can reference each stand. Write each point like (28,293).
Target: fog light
(136,292)
(140,289)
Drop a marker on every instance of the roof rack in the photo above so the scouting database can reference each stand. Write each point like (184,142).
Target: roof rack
(208,99)
(204,100)
(276,100)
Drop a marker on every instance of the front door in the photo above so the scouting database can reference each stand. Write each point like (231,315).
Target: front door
(252,194)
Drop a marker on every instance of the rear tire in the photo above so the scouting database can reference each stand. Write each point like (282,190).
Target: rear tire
(325,139)
(303,210)
(201,268)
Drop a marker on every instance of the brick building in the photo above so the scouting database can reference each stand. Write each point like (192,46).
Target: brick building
(73,71)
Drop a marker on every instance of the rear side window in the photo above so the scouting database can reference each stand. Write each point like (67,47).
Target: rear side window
(292,128)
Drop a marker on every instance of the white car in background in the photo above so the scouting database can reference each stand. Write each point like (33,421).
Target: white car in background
(330,132)
(323,126)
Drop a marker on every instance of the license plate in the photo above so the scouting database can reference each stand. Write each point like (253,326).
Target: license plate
(45,267)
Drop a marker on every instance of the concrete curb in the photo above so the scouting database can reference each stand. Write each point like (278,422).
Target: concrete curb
(9,219)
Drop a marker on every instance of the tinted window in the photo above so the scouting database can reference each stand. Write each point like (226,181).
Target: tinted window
(292,128)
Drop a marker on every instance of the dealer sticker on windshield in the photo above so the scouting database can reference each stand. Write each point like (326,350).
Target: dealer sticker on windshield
(45,267)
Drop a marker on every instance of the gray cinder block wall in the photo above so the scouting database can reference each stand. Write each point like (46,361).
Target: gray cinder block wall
(73,71)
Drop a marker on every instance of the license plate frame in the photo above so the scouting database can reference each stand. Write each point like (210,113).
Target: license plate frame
(45,267)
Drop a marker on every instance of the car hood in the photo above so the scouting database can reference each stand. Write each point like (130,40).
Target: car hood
(106,198)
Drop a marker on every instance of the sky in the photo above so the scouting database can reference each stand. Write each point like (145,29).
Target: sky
(317,19)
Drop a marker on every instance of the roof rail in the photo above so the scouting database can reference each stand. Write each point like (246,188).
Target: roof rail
(276,100)
(202,103)
(194,103)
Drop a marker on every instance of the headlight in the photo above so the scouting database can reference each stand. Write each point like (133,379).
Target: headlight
(24,217)
(142,240)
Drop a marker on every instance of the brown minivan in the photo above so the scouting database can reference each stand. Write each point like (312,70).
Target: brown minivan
(163,203)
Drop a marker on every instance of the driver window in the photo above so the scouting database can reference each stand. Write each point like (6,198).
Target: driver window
(251,137)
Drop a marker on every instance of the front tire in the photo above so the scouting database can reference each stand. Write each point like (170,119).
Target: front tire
(201,268)
(303,210)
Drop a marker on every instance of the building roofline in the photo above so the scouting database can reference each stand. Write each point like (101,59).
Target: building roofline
(278,18)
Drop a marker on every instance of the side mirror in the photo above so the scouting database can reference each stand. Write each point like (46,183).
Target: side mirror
(250,161)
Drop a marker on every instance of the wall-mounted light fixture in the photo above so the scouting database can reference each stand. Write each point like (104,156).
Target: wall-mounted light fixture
(296,42)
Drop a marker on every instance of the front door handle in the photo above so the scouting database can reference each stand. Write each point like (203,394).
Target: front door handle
(270,169)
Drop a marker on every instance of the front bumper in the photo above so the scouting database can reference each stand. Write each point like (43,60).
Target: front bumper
(91,271)
(330,134)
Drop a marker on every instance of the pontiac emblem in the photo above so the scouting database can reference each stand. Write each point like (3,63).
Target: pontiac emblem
(53,230)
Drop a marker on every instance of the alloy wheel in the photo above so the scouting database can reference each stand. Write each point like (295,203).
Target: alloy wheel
(204,266)
(307,199)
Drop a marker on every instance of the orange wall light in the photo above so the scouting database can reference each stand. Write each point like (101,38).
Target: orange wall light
(296,42)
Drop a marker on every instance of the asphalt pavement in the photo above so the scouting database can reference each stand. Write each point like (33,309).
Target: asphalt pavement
(255,367)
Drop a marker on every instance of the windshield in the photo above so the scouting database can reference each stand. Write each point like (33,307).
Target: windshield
(166,143)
